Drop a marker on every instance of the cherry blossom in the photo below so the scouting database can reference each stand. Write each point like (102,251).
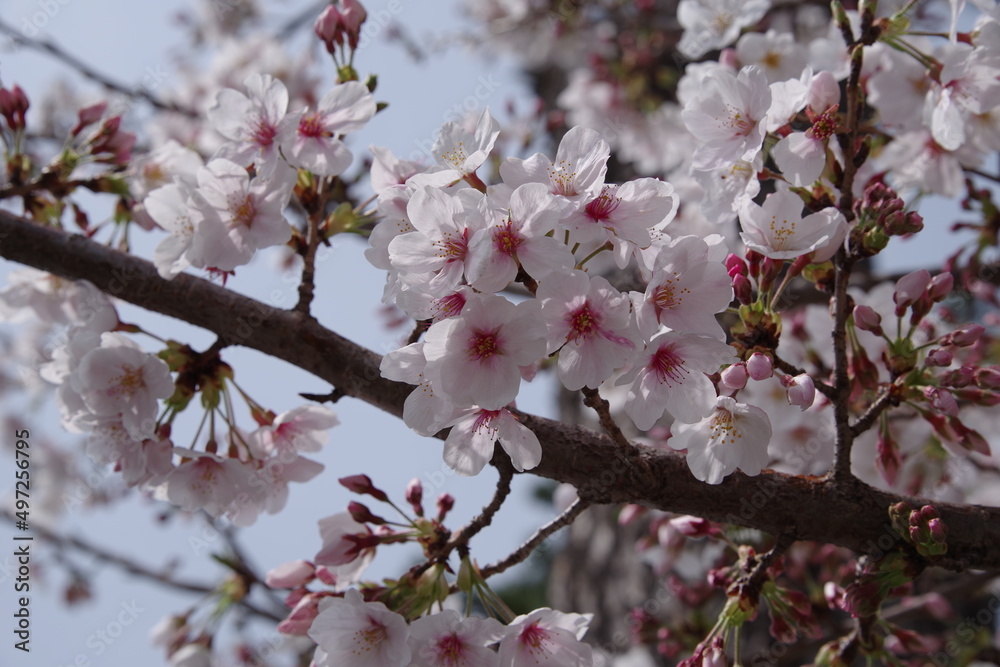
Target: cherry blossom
(301,429)
(424,411)
(118,378)
(728,116)
(733,435)
(670,376)
(713,24)
(546,637)
(253,122)
(590,324)
(474,434)
(473,358)
(355,633)
(446,639)
(171,207)
(518,239)
(578,170)
(462,152)
(240,216)
(314,142)
(777,229)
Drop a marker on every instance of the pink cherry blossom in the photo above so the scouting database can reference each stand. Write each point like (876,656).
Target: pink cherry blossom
(240,216)
(590,324)
(314,142)
(301,429)
(355,633)
(546,638)
(474,434)
(733,435)
(253,122)
(447,639)
(577,172)
(473,358)
(672,378)
(518,238)
(462,152)
(713,24)
(728,116)
(424,411)
(779,231)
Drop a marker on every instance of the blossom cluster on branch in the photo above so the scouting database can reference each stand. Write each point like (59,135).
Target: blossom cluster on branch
(637,294)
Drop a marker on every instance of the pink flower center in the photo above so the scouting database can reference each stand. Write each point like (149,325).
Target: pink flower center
(450,650)
(243,210)
(562,179)
(667,365)
(264,133)
(128,382)
(449,306)
(506,239)
(738,122)
(455,246)
(582,322)
(370,638)
(484,344)
(669,295)
(533,638)
(600,209)
(824,126)
(311,126)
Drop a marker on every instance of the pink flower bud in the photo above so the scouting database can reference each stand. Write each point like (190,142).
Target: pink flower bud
(734,377)
(736,265)
(360,513)
(630,513)
(693,526)
(939,357)
(988,378)
(909,288)
(866,319)
(353,15)
(940,286)
(942,400)
(801,391)
(759,366)
(324,574)
(363,484)
(302,616)
(445,503)
(415,495)
(834,595)
(13,106)
(964,336)
(88,116)
(291,575)
(938,531)
(742,289)
(958,378)
(329,27)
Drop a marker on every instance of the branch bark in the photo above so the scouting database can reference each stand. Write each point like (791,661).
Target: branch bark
(798,507)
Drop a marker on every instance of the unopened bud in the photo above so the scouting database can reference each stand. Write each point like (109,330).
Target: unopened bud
(360,513)
(964,336)
(329,27)
(988,378)
(941,400)
(939,357)
(909,288)
(363,484)
(353,15)
(958,378)
(445,503)
(938,531)
(759,366)
(742,289)
(734,377)
(866,319)
(415,495)
(291,575)
(940,286)
(736,265)
(800,390)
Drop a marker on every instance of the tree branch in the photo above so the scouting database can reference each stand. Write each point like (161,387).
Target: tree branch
(542,534)
(798,507)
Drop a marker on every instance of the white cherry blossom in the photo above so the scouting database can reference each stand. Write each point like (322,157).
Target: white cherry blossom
(778,230)
(447,639)
(475,432)
(355,633)
(314,142)
(733,435)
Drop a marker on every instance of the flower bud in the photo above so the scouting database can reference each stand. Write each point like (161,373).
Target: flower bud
(939,357)
(942,400)
(940,286)
(329,28)
(736,265)
(742,289)
(444,504)
(352,16)
(988,378)
(964,336)
(363,484)
(362,514)
(866,319)
(958,378)
(291,575)
(13,106)
(759,366)
(88,116)
(415,495)
(734,377)
(800,391)
(909,288)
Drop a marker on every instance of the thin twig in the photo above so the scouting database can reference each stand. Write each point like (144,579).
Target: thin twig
(884,401)
(542,534)
(485,518)
(592,398)
(54,50)
(134,568)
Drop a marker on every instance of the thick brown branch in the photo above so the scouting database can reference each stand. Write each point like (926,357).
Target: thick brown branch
(799,507)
